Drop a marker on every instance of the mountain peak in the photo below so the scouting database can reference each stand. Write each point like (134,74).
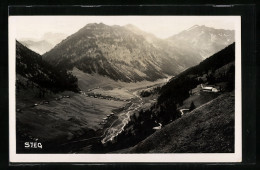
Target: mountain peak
(132,27)
(196,26)
(96,24)
(113,51)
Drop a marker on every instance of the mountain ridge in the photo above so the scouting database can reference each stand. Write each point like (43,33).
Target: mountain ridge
(39,47)
(43,44)
(115,50)
(205,40)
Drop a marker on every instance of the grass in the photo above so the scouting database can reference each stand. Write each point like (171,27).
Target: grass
(199,99)
(61,120)
(208,129)
(109,85)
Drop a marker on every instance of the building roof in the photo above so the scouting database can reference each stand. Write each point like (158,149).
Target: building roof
(207,88)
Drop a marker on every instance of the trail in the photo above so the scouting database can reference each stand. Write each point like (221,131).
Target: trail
(123,119)
(181,110)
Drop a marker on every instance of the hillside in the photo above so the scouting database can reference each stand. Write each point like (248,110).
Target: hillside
(207,129)
(179,86)
(47,107)
(38,72)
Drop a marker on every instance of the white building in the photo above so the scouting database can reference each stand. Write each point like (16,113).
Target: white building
(209,89)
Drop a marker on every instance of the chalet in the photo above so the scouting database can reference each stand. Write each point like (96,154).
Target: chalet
(209,89)
(200,87)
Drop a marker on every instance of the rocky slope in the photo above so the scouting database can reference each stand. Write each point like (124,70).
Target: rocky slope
(204,40)
(112,51)
(185,57)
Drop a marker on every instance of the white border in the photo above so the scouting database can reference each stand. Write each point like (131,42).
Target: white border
(84,158)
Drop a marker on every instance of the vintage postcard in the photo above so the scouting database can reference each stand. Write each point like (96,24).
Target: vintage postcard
(125,89)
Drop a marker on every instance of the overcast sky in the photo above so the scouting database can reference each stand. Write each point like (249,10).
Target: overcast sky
(35,27)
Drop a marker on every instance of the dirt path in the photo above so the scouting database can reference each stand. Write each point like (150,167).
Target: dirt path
(181,110)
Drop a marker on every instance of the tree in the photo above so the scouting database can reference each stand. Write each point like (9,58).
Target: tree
(192,106)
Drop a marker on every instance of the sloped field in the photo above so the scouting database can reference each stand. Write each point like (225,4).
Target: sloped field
(61,120)
(207,129)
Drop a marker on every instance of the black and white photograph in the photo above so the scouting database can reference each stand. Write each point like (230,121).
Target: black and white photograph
(125,88)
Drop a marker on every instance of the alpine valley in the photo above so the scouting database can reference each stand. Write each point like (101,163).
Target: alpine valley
(120,89)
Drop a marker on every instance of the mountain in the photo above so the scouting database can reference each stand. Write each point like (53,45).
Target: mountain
(185,57)
(45,43)
(32,67)
(190,46)
(115,52)
(204,40)
(127,53)
(38,46)
(148,36)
